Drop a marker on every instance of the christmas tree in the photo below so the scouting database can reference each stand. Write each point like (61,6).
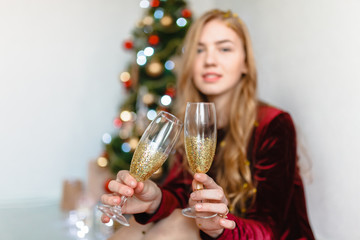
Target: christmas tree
(149,79)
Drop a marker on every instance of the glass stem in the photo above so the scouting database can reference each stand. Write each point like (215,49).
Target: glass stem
(117,208)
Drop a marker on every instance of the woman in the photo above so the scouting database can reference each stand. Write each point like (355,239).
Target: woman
(254,184)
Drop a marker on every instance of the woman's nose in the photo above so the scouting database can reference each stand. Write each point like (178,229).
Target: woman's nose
(210,57)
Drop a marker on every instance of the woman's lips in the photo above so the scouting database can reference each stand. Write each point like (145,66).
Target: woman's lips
(211,77)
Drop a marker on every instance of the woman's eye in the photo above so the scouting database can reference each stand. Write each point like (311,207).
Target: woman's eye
(225,49)
(200,50)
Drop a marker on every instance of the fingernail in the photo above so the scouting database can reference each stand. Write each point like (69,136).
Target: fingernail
(115,201)
(128,192)
(133,184)
(192,195)
(198,206)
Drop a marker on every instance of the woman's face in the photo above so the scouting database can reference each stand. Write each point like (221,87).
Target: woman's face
(220,59)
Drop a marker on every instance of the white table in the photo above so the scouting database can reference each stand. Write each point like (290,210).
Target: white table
(47,222)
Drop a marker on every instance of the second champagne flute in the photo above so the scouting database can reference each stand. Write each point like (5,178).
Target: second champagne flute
(153,149)
(200,143)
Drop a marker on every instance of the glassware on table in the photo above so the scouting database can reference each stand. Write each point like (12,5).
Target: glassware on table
(153,149)
(200,144)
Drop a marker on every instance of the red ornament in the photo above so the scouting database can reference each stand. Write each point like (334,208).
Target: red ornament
(128,84)
(155,3)
(117,122)
(186,13)
(106,185)
(153,40)
(105,155)
(128,44)
(170,92)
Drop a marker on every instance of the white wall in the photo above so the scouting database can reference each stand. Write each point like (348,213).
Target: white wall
(59,89)
(308,57)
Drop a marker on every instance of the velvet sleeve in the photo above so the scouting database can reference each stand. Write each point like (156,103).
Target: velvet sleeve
(273,167)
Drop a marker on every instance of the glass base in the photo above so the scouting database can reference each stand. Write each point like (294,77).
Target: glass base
(191,213)
(114,213)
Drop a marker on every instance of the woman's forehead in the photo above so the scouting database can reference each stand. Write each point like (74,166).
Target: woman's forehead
(217,31)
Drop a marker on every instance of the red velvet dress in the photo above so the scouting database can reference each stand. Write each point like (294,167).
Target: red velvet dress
(279,211)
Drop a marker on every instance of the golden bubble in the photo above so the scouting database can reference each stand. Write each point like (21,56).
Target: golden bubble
(102,162)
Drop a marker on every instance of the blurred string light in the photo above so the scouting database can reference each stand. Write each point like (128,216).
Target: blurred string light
(125,116)
(141,58)
(166,21)
(106,138)
(144,4)
(148,98)
(159,13)
(151,114)
(165,100)
(133,143)
(117,123)
(148,20)
(140,53)
(125,147)
(124,134)
(102,161)
(169,65)
(82,229)
(181,22)
(149,51)
(125,76)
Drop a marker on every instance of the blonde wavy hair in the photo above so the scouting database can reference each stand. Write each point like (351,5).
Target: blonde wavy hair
(231,163)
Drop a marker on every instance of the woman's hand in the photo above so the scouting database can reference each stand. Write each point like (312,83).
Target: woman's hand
(211,199)
(143,196)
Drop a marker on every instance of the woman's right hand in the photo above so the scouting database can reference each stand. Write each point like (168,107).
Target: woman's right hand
(142,196)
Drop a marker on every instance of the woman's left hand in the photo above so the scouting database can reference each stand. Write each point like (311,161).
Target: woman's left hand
(211,199)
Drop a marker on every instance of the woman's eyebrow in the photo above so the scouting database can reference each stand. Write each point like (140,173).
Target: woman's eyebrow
(217,42)
(223,41)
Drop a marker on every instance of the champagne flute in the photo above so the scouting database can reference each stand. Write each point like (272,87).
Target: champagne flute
(153,149)
(200,144)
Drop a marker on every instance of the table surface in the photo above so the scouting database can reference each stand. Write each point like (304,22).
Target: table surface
(47,221)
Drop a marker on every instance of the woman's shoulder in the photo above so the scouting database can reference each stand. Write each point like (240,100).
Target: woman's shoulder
(268,113)
(273,122)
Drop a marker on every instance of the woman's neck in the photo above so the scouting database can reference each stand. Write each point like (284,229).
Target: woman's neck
(222,105)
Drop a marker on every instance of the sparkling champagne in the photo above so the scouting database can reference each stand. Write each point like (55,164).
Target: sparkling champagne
(200,153)
(146,160)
